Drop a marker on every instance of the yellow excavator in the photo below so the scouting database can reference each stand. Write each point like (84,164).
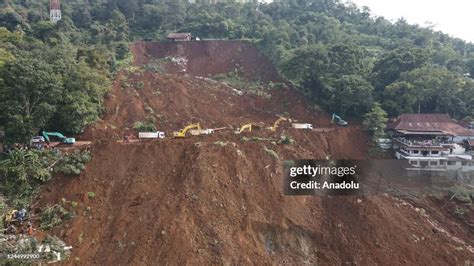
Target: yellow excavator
(182,132)
(247,127)
(275,125)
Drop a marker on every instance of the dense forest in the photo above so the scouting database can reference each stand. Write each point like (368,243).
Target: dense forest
(347,59)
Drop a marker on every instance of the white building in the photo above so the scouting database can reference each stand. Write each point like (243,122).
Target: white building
(432,142)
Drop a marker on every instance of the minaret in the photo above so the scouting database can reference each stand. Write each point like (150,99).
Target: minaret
(54,11)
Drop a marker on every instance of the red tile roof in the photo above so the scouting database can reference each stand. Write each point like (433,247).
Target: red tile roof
(428,123)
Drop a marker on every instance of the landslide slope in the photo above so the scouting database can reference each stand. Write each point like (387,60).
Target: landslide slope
(218,198)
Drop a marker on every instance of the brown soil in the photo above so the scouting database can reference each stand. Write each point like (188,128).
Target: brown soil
(217,199)
(206,58)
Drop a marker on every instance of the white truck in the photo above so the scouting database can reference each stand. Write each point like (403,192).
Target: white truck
(302,126)
(197,132)
(151,135)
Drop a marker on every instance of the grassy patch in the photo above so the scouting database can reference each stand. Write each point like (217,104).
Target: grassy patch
(237,80)
(74,163)
(276,85)
(286,140)
(257,139)
(462,193)
(147,125)
(461,212)
(220,143)
(288,163)
(140,85)
(52,216)
(157,65)
(90,195)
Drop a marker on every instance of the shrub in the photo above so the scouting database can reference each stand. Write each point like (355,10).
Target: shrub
(220,143)
(74,163)
(23,171)
(140,85)
(276,85)
(52,216)
(462,194)
(286,140)
(145,126)
(288,163)
(461,212)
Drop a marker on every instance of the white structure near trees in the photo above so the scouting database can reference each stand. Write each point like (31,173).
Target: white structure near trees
(54,11)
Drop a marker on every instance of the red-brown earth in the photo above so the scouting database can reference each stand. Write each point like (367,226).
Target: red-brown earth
(218,198)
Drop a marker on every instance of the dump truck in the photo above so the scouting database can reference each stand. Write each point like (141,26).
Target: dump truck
(151,135)
(302,126)
(197,132)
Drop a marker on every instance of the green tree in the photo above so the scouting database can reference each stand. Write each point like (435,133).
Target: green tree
(22,171)
(81,101)
(28,98)
(393,64)
(376,120)
(350,95)
(119,26)
(10,19)
(175,14)
(44,30)
(430,88)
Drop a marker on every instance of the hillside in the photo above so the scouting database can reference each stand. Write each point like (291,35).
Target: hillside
(218,198)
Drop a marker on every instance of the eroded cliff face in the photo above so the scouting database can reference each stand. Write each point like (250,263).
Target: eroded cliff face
(218,198)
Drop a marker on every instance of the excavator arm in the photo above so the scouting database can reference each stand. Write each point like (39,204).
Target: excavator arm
(182,133)
(60,136)
(275,125)
(339,120)
(247,127)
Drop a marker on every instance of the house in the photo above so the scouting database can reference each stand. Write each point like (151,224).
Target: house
(179,37)
(431,142)
(429,124)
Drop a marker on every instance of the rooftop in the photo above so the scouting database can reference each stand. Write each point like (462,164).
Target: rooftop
(176,35)
(434,124)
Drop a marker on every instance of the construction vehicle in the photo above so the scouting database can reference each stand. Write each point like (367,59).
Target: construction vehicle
(302,126)
(339,120)
(38,142)
(198,132)
(275,125)
(182,132)
(60,136)
(151,135)
(247,127)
